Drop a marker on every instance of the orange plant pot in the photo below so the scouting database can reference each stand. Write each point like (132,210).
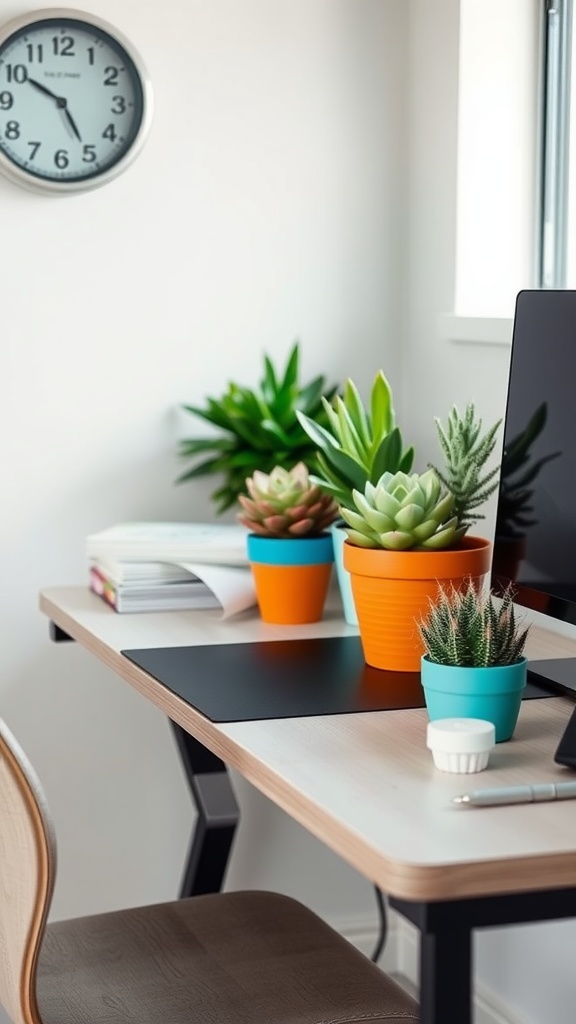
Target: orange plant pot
(392,590)
(291,594)
(291,577)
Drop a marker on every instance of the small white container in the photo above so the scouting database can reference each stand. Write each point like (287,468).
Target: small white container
(460,745)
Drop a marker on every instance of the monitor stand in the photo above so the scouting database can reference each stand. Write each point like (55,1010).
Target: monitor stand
(556,674)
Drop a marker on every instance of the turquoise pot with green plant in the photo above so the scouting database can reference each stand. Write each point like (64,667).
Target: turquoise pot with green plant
(474,664)
(493,694)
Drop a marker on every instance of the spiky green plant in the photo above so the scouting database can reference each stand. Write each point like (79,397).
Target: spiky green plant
(402,512)
(284,503)
(466,451)
(467,628)
(259,429)
(358,445)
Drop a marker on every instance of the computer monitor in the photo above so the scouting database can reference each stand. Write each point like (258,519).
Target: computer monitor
(535,537)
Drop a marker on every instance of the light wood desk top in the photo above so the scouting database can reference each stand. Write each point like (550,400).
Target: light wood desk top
(365,783)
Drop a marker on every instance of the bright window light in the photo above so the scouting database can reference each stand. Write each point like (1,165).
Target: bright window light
(497,155)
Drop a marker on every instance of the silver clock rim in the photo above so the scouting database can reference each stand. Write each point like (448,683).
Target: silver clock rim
(17,174)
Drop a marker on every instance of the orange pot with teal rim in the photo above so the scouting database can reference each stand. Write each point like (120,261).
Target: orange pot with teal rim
(291,576)
(392,590)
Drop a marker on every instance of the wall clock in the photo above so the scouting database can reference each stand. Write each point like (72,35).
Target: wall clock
(75,101)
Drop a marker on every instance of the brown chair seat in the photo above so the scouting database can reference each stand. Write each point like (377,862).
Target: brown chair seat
(231,958)
(227,958)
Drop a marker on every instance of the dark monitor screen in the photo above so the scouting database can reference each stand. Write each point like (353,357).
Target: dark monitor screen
(535,538)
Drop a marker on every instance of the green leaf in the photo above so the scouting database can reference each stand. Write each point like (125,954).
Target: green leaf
(381,413)
(351,442)
(291,373)
(407,461)
(213,414)
(316,432)
(347,469)
(357,413)
(269,381)
(195,445)
(309,398)
(387,456)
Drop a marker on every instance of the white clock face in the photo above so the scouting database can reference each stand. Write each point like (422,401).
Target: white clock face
(73,103)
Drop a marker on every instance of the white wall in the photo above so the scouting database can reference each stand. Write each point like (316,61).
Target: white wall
(264,208)
(280,195)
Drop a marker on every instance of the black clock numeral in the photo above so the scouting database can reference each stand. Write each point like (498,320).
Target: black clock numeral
(61,158)
(89,154)
(34,52)
(13,130)
(119,105)
(34,147)
(90,54)
(16,73)
(6,100)
(63,46)
(111,76)
(109,133)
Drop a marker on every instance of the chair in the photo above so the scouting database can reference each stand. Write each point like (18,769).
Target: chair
(227,958)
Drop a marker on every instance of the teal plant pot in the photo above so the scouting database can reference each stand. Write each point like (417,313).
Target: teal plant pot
(343,576)
(493,694)
(295,551)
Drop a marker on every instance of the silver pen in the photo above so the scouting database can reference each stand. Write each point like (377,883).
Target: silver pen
(518,794)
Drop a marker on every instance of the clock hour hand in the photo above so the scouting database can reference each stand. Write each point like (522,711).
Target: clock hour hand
(61,103)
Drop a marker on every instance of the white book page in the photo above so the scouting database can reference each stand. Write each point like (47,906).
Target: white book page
(232,585)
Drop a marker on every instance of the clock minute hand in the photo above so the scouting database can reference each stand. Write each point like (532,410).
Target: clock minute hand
(70,120)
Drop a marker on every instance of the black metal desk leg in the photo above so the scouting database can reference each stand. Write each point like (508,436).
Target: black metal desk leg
(445,977)
(446,930)
(218,815)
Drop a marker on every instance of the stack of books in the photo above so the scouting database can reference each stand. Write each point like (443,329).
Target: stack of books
(142,566)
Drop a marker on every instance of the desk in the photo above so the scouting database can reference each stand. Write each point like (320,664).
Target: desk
(365,785)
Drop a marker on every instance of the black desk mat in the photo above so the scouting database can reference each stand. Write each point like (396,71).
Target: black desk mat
(282,679)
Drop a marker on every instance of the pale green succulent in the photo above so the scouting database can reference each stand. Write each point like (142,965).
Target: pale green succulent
(356,445)
(403,511)
(284,503)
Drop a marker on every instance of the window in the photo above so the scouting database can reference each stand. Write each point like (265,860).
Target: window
(557,256)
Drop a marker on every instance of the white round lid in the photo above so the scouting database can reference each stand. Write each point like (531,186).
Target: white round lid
(460,735)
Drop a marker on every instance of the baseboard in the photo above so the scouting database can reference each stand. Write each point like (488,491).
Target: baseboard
(400,959)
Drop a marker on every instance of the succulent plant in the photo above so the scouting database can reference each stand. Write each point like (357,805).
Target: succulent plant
(284,503)
(260,429)
(401,512)
(515,512)
(357,445)
(466,451)
(467,628)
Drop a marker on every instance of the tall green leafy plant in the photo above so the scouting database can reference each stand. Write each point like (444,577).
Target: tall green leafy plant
(258,429)
(358,444)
